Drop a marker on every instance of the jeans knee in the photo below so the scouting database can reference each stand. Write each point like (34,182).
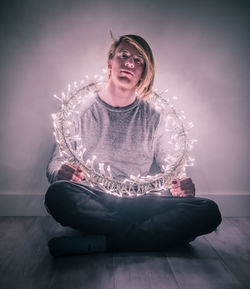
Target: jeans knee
(54,194)
(213,213)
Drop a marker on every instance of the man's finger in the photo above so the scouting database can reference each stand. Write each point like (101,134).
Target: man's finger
(188,193)
(187,187)
(175,194)
(185,181)
(60,177)
(183,184)
(63,174)
(182,193)
(175,183)
(79,174)
(68,168)
(75,179)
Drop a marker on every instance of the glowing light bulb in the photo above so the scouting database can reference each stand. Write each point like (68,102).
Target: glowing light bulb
(109,171)
(190,125)
(101,168)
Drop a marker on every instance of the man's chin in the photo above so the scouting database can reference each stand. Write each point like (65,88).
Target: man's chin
(127,83)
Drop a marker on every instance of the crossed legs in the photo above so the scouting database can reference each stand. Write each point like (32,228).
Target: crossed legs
(139,223)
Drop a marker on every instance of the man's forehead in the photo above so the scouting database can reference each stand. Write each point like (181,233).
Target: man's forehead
(126,46)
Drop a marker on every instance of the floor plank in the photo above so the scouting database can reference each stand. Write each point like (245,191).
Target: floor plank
(198,249)
(205,274)
(232,244)
(92,272)
(243,224)
(143,271)
(218,260)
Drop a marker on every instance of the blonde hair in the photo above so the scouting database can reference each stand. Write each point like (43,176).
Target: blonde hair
(145,85)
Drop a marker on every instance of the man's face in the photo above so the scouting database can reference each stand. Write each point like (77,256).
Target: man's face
(126,66)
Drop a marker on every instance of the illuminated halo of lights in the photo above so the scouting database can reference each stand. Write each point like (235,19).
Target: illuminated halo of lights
(73,151)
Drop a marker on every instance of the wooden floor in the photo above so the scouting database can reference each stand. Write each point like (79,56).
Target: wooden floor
(220,260)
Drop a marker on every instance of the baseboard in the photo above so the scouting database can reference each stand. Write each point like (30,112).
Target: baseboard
(11,204)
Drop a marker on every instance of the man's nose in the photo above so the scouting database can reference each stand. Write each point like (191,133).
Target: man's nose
(130,62)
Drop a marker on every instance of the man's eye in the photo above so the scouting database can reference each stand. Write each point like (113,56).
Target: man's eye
(138,60)
(124,55)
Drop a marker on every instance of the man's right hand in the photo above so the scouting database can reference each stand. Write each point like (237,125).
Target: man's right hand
(70,173)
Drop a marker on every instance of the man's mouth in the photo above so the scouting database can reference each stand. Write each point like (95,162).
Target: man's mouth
(127,72)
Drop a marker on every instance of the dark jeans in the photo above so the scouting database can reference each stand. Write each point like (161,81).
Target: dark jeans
(132,223)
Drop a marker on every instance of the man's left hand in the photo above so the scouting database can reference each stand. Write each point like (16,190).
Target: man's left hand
(183,188)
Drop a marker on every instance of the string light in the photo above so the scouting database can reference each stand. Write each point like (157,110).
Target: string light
(73,151)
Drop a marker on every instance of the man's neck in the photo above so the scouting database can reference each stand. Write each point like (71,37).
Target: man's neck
(117,96)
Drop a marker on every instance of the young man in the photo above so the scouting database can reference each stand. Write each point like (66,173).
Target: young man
(123,130)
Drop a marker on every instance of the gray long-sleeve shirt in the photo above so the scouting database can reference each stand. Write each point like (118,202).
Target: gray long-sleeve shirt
(131,140)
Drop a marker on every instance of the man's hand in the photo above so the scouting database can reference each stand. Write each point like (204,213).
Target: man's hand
(70,173)
(183,188)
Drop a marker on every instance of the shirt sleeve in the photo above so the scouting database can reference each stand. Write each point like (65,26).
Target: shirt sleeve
(57,158)
(54,164)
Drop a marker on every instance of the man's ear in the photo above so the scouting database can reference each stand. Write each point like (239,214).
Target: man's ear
(109,64)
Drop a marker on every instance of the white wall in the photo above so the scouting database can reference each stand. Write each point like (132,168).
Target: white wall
(201,54)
